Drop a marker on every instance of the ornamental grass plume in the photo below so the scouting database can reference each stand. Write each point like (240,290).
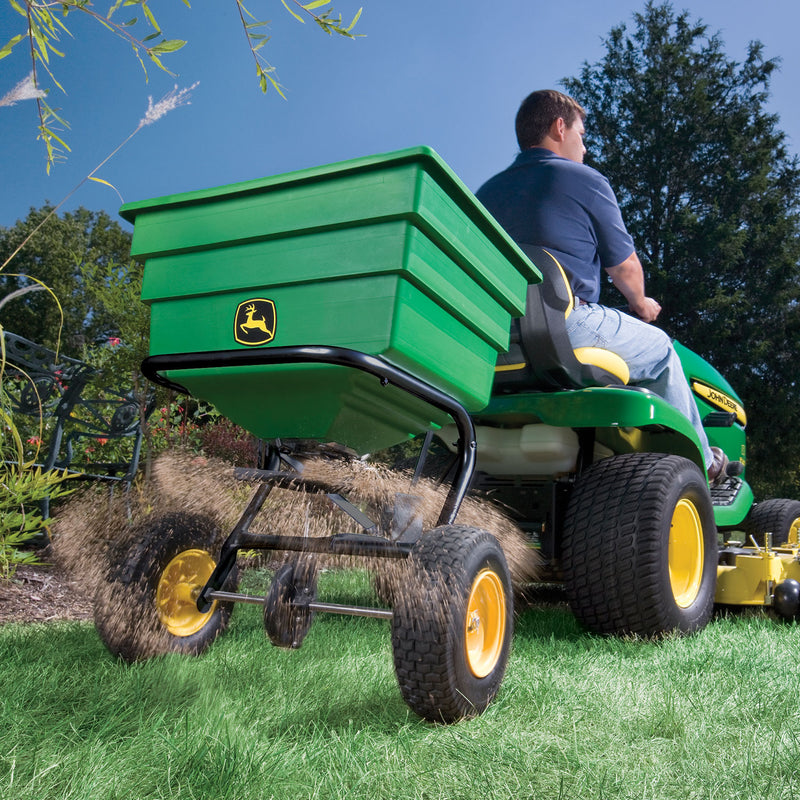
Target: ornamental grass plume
(169,102)
(26,89)
(155,111)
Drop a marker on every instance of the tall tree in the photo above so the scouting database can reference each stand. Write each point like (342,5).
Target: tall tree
(710,194)
(55,256)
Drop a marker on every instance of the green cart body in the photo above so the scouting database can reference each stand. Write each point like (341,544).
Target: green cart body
(389,256)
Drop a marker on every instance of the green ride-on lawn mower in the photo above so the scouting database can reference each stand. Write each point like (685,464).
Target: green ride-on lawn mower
(367,302)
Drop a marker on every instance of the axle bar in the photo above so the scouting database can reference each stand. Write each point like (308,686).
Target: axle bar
(328,608)
(340,544)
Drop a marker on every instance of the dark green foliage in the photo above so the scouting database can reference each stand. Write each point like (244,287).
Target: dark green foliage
(121,321)
(55,256)
(710,194)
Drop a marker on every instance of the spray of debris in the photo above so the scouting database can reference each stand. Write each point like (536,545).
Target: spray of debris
(110,546)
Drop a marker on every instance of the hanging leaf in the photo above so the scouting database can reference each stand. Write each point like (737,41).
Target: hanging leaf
(104,182)
(355,19)
(293,13)
(149,14)
(8,46)
(169,46)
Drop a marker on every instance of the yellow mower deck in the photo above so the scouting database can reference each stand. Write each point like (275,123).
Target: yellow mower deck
(748,576)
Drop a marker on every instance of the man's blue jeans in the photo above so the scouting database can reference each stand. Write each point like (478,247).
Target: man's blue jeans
(646,350)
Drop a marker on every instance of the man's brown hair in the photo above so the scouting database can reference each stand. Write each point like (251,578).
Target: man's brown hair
(539,110)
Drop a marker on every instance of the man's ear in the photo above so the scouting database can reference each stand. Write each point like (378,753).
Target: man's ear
(558,129)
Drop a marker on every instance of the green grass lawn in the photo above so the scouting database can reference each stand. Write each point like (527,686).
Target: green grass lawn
(716,715)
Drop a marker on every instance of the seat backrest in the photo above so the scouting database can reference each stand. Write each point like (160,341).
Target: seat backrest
(541,355)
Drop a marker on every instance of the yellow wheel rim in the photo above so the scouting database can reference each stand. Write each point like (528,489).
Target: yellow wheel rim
(178,589)
(793,537)
(686,553)
(486,623)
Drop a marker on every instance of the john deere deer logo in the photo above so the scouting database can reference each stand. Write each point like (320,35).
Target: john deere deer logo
(254,323)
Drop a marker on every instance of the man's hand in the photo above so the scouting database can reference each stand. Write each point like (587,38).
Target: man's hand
(648,310)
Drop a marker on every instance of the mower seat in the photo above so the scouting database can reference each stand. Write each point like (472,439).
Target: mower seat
(540,354)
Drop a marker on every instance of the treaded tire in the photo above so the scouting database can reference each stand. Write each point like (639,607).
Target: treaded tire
(144,606)
(621,575)
(452,624)
(286,625)
(779,517)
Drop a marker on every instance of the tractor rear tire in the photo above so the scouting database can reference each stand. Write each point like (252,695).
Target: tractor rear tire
(146,604)
(452,624)
(640,546)
(781,518)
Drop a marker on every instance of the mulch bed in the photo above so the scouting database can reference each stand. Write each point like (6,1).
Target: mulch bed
(42,593)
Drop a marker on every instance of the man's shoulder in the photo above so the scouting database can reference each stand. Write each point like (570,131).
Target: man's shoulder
(539,160)
(576,169)
(580,181)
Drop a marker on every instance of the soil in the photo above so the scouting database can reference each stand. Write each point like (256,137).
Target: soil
(42,593)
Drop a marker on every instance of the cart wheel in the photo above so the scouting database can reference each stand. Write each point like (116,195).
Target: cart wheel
(781,518)
(285,622)
(452,624)
(639,549)
(147,604)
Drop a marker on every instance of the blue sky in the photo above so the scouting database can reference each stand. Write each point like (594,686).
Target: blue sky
(443,73)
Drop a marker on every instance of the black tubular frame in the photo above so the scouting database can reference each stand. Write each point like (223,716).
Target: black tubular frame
(350,544)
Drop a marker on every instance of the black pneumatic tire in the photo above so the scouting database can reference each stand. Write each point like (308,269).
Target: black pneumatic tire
(145,606)
(781,518)
(452,624)
(640,546)
(285,623)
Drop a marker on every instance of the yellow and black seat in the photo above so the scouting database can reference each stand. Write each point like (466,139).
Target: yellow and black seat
(540,355)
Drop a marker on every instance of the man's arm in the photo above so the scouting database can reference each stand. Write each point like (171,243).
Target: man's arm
(628,277)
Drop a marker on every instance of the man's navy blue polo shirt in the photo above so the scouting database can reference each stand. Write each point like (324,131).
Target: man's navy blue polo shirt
(567,207)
